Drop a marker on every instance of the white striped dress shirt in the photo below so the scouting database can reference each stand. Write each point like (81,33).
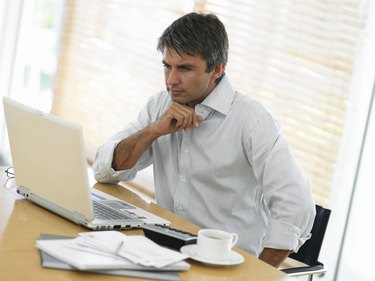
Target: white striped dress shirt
(235,172)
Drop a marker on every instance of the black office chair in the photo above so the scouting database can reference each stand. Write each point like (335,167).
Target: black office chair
(309,251)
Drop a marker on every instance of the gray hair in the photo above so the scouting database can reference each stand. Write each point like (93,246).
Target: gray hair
(202,34)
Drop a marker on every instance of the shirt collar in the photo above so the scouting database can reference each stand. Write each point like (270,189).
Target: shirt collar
(220,99)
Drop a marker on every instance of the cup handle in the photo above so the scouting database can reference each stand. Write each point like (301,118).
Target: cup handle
(234,239)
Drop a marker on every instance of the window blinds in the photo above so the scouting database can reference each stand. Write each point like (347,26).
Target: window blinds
(109,65)
(296,57)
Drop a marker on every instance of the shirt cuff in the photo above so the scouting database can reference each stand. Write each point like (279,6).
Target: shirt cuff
(282,235)
(102,167)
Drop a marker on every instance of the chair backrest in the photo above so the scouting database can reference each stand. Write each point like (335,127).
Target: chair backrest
(309,251)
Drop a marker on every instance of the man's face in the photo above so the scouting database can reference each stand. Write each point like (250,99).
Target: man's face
(186,78)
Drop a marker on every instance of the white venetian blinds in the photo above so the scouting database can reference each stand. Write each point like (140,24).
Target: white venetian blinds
(295,56)
(109,65)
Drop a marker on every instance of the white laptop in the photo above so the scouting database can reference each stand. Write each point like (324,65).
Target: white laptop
(49,161)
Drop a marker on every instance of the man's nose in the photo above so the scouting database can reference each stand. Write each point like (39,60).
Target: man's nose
(173,77)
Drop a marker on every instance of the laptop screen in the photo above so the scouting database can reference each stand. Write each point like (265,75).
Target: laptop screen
(49,157)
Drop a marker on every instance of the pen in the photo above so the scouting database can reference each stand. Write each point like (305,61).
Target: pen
(119,248)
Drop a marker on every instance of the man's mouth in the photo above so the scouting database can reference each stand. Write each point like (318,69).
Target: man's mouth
(176,92)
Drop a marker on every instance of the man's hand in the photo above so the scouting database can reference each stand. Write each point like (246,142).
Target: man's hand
(274,257)
(177,117)
(129,150)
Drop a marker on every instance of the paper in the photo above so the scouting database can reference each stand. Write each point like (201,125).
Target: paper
(137,248)
(113,250)
(49,261)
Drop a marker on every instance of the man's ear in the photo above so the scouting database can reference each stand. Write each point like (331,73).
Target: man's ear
(218,71)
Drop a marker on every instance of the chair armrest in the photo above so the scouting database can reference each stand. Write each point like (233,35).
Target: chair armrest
(304,270)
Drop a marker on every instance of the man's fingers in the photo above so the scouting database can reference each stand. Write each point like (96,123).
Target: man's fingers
(185,122)
(184,117)
(179,119)
(197,120)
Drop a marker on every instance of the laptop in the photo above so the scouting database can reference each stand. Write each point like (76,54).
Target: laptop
(49,161)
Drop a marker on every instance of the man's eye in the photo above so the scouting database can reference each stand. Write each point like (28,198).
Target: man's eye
(185,68)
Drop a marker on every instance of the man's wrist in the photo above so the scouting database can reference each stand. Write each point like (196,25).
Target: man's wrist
(274,257)
(153,131)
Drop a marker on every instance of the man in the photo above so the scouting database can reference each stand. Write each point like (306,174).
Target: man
(219,157)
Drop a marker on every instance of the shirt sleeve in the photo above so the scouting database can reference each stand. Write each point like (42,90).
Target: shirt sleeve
(102,166)
(287,192)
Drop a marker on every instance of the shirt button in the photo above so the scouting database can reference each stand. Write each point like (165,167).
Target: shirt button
(182,178)
(180,208)
(186,150)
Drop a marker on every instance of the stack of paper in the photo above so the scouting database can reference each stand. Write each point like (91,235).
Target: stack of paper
(108,250)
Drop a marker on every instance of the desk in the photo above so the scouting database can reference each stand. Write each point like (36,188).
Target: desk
(21,222)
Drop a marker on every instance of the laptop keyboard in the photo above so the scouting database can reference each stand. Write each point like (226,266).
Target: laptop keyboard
(103,212)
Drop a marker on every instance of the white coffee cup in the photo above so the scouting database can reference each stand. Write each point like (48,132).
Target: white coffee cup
(213,244)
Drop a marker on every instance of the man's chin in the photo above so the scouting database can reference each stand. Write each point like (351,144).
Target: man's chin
(180,100)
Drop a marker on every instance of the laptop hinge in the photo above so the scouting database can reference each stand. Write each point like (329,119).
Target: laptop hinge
(78,218)
(23,191)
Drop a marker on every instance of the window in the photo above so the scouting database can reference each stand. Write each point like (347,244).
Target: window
(299,58)
(28,55)
(296,57)
(36,57)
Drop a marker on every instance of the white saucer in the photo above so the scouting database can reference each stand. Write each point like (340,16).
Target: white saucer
(234,257)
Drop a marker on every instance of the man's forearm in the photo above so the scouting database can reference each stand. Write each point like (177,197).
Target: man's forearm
(274,257)
(129,150)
